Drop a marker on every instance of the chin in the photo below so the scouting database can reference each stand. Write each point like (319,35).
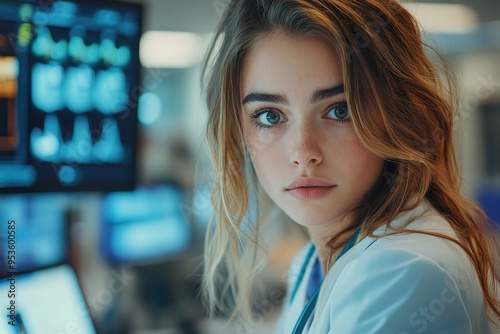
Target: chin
(312,220)
(316,214)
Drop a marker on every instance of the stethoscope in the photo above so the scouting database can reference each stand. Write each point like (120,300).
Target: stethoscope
(311,304)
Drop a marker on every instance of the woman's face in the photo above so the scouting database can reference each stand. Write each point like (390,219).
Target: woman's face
(298,130)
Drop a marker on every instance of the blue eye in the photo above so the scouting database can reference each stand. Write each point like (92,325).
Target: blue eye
(267,118)
(339,112)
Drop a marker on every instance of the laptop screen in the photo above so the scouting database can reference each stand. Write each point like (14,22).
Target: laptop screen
(44,301)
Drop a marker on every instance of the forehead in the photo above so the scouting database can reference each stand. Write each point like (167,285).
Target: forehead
(281,60)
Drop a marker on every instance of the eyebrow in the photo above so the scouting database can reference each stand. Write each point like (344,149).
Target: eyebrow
(320,94)
(263,97)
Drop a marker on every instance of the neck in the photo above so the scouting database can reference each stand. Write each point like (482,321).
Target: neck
(329,239)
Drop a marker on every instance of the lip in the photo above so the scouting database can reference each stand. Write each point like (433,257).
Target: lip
(309,188)
(309,182)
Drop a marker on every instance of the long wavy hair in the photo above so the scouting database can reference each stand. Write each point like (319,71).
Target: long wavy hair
(403,109)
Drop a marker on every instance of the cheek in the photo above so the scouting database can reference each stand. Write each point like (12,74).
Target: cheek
(365,166)
(264,150)
(264,156)
(259,141)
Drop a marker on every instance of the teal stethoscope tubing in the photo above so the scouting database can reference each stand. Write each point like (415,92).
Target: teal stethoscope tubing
(311,304)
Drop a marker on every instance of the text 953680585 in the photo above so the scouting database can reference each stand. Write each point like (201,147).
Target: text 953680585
(11,272)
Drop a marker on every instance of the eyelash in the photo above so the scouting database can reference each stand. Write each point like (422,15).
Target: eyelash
(255,115)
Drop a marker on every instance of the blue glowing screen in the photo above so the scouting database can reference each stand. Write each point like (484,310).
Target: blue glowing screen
(44,301)
(38,230)
(69,80)
(147,224)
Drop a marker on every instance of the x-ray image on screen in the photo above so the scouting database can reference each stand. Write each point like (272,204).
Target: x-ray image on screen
(68,118)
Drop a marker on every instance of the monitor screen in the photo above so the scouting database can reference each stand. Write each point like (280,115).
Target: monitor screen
(44,301)
(68,114)
(145,225)
(34,227)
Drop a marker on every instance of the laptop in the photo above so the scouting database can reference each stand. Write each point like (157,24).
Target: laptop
(44,301)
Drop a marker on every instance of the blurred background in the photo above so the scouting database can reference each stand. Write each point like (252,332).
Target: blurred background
(102,164)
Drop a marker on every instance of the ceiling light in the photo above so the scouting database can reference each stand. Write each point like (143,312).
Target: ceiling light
(168,49)
(443,18)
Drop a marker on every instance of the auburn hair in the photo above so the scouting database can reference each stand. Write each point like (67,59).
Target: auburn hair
(403,109)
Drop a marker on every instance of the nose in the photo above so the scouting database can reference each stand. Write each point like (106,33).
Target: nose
(305,148)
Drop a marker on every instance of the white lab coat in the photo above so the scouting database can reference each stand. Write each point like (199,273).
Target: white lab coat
(402,284)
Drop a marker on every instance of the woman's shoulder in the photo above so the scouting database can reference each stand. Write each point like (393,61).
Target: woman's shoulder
(396,290)
(418,243)
(417,249)
(408,281)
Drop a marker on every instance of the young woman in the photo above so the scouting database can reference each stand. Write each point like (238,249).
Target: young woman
(334,107)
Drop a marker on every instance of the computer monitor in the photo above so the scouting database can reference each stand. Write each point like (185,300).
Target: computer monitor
(146,225)
(69,85)
(48,300)
(35,228)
